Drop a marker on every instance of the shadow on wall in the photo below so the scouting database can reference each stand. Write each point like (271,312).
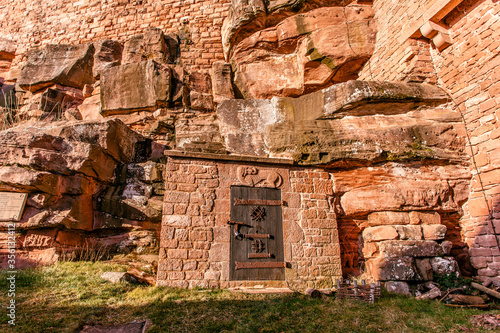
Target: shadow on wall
(460,250)
(350,239)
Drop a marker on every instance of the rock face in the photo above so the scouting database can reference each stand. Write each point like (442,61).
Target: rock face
(67,65)
(246,17)
(304,53)
(138,86)
(79,162)
(387,122)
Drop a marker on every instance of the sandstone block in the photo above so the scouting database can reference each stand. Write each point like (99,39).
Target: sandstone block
(40,238)
(108,53)
(244,17)
(90,109)
(361,97)
(388,218)
(67,65)
(153,44)
(137,86)
(372,234)
(176,220)
(70,238)
(399,269)
(91,147)
(177,254)
(410,248)
(222,86)
(29,180)
(425,218)
(434,231)
(410,232)
(370,249)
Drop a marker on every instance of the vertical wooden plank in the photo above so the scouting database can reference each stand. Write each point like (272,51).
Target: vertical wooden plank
(272,224)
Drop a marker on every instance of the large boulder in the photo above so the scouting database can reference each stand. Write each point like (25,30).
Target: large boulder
(143,85)
(362,122)
(67,65)
(248,16)
(92,148)
(399,269)
(304,53)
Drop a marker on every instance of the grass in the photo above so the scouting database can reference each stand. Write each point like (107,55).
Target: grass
(69,295)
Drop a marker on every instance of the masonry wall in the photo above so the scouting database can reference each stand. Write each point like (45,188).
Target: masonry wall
(37,23)
(469,70)
(195,236)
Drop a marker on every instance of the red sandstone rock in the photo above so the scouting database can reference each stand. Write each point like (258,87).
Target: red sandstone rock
(410,232)
(390,218)
(137,86)
(108,53)
(398,287)
(296,128)
(410,248)
(425,218)
(67,65)
(90,109)
(379,233)
(294,57)
(247,17)
(88,147)
(434,231)
(221,81)
(152,44)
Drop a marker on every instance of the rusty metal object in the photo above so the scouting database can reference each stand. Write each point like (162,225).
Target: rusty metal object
(250,265)
(258,246)
(258,202)
(238,223)
(259,255)
(253,236)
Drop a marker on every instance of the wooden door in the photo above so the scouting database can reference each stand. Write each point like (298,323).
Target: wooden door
(256,234)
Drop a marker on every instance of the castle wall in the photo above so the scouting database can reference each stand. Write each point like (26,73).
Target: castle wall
(468,70)
(37,23)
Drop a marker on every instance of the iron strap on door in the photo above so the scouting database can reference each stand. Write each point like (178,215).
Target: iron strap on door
(258,202)
(250,265)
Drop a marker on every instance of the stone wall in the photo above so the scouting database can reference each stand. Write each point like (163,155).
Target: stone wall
(195,236)
(468,69)
(36,23)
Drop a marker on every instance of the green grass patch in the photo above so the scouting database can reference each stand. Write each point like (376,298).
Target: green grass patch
(69,295)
